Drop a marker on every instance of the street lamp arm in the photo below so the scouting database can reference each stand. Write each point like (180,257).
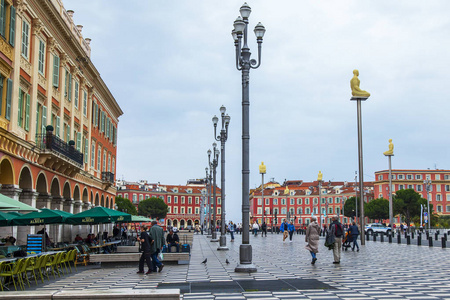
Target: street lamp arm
(253,62)
(237,44)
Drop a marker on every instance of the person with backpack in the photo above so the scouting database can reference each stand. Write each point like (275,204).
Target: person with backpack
(337,230)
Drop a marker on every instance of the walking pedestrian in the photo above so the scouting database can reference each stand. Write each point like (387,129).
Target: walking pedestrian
(354,232)
(284,230)
(255,228)
(231,230)
(337,230)
(291,229)
(146,242)
(157,234)
(312,238)
(264,229)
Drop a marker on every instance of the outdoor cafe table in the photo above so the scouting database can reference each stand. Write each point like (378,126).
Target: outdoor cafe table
(99,246)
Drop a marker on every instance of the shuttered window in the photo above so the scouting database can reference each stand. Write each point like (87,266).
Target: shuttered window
(41,57)
(56,71)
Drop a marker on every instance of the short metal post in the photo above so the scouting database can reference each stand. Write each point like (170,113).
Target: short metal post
(412,234)
(374,237)
(419,239)
(408,240)
(399,239)
(382,238)
(444,243)
(430,241)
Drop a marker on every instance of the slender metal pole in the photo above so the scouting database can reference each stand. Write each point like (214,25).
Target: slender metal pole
(223,232)
(391,211)
(262,196)
(214,232)
(361,173)
(209,201)
(356,197)
(320,203)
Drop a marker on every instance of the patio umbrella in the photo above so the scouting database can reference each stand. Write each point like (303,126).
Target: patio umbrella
(5,219)
(98,215)
(43,216)
(16,205)
(139,219)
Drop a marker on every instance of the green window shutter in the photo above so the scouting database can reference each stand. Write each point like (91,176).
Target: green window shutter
(85,103)
(102,119)
(76,94)
(58,122)
(86,150)
(44,118)
(8,99)
(55,71)
(68,134)
(107,127)
(41,57)
(27,113)
(37,117)
(79,141)
(12,26)
(70,87)
(25,29)
(96,115)
(93,155)
(2,17)
(20,115)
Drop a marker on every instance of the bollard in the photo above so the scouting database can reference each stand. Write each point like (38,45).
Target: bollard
(367,237)
(390,238)
(430,241)
(382,238)
(408,240)
(374,237)
(444,243)
(445,236)
(436,236)
(412,234)
(399,239)
(419,240)
(406,234)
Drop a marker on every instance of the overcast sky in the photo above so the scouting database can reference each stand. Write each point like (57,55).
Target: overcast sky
(171,64)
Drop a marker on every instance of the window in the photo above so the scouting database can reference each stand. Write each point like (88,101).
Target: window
(24,110)
(175,210)
(169,199)
(446,177)
(322,201)
(299,211)
(401,176)
(338,210)
(189,210)
(330,210)
(55,71)
(84,103)
(322,210)
(401,186)
(259,201)
(283,201)
(219,201)
(134,198)
(41,57)
(25,39)
(307,201)
(196,200)
(77,90)
(275,211)
(419,187)
(409,177)
(292,201)
(299,201)
(5,94)
(439,208)
(41,118)
(275,201)
(380,177)
(410,186)
(267,201)
(392,176)
(307,211)
(104,160)
(86,150)
(169,209)
(259,210)
(418,176)
(337,200)
(99,156)
(283,210)
(189,200)
(68,88)
(315,201)
(196,211)
(447,208)
(182,200)
(125,196)
(438,197)
(7,30)
(330,200)
(175,200)
(141,197)
(183,210)
(437,177)
(447,188)
(307,221)
(219,211)
(93,155)
(315,210)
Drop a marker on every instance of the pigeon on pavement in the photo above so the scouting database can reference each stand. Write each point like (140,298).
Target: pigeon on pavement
(204,262)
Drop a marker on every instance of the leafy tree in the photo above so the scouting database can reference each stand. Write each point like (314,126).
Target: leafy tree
(153,207)
(125,205)
(407,203)
(377,209)
(350,207)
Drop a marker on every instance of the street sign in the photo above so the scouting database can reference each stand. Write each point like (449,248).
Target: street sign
(425,217)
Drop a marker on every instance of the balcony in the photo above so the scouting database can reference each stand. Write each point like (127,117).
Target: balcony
(107,179)
(59,155)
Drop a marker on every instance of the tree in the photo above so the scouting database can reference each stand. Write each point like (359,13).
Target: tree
(407,203)
(350,208)
(377,209)
(153,207)
(125,205)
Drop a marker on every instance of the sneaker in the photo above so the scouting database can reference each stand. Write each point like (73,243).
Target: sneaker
(336,262)
(148,272)
(357,250)
(314,260)
(160,268)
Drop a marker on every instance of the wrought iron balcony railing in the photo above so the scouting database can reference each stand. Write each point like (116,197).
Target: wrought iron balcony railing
(108,177)
(53,143)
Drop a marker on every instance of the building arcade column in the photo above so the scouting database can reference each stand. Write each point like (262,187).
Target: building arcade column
(27,197)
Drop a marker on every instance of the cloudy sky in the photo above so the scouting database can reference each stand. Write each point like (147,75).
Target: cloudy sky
(171,65)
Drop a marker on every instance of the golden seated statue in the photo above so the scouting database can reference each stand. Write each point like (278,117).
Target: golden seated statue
(354,84)
(391,149)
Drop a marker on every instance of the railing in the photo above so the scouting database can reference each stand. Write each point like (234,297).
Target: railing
(108,177)
(54,143)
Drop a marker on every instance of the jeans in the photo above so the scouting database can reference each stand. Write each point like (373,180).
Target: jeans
(232,235)
(155,260)
(355,243)
(255,232)
(312,254)
(147,258)
(169,246)
(291,233)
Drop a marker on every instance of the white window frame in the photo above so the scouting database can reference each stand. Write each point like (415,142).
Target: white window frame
(41,57)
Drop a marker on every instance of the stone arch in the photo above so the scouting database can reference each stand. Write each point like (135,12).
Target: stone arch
(66,191)
(189,222)
(107,202)
(55,188)
(169,222)
(25,179)
(6,171)
(102,201)
(41,183)
(92,197)
(85,195)
(182,223)
(76,193)
(175,223)
(197,222)
(97,201)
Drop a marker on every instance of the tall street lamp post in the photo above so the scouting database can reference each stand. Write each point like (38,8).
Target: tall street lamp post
(262,171)
(427,184)
(389,154)
(244,64)
(213,165)
(319,179)
(286,193)
(222,138)
(208,192)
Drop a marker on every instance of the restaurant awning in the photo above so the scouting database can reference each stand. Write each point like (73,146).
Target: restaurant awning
(43,216)
(98,215)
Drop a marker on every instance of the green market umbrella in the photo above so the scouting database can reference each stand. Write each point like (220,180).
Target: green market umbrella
(5,219)
(16,205)
(138,219)
(98,215)
(43,216)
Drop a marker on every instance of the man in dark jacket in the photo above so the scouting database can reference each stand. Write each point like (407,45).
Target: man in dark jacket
(172,240)
(337,230)
(157,234)
(264,229)
(146,242)
(354,232)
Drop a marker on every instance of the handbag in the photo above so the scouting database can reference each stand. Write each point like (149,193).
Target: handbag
(329,241)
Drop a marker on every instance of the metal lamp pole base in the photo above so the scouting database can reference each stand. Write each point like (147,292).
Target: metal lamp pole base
(245,258)
(223,243)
